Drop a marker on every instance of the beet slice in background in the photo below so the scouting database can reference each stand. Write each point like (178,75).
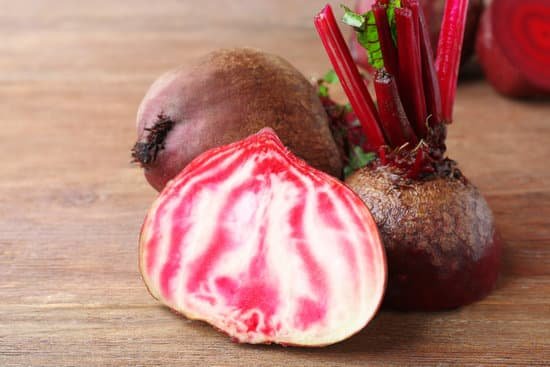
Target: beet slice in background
(513,47)
(252,240)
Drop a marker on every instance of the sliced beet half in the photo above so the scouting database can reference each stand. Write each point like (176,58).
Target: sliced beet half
(522,29)
(513,47)
(252,240)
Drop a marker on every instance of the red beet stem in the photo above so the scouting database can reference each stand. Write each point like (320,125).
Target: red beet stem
(383,155)
(431,84)
(389,51)
(349,76)
(394,120)
(415,170)
(449,50)
(411,86)
(410,4)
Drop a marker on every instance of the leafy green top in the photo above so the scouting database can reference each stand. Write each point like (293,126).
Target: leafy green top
(342,121)
(358,159)
(329,78)
(367,34)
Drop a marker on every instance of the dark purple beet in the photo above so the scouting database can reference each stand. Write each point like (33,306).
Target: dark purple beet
(442,248)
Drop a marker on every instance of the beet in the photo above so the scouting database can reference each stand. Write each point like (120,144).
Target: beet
(438,231)
(513,49)
(433,10)
(252,240)
(440,240)
(224,97)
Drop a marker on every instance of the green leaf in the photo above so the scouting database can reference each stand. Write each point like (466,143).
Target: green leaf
(367,34)
(330,77)
(393,4)
(323,91)
(353,19)
(324,83)
(358,159)
(348,171)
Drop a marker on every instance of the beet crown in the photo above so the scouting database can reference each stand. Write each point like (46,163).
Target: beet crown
(415,92)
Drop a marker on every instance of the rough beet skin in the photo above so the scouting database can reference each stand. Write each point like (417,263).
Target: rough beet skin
(439,235)
(262,246)
(224,97)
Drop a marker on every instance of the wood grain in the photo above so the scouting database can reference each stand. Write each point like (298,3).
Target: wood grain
(71,204)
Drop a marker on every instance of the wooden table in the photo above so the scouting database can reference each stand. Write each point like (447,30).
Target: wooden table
(71,204)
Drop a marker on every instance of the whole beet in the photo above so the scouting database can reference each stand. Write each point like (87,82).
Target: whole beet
(439,236)
(222,98)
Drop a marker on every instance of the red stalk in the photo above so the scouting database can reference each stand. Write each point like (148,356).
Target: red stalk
(409,4)
(383,155)
(394,120)
(389,52)
(429,75)
(449,50)
(349,76)
(411,86)
(415,170)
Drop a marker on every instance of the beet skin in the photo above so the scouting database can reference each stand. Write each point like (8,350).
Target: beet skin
(225,97)
(441,245)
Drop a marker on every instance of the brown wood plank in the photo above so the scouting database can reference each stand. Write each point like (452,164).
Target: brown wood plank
(71,204)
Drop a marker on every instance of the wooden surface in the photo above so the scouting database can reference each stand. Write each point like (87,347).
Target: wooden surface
(71,77)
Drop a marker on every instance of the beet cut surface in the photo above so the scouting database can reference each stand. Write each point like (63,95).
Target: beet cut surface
(514,49)
(265,248)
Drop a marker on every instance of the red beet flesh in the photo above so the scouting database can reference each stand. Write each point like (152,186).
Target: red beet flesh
(224,97)
(513,47)
(257,243)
